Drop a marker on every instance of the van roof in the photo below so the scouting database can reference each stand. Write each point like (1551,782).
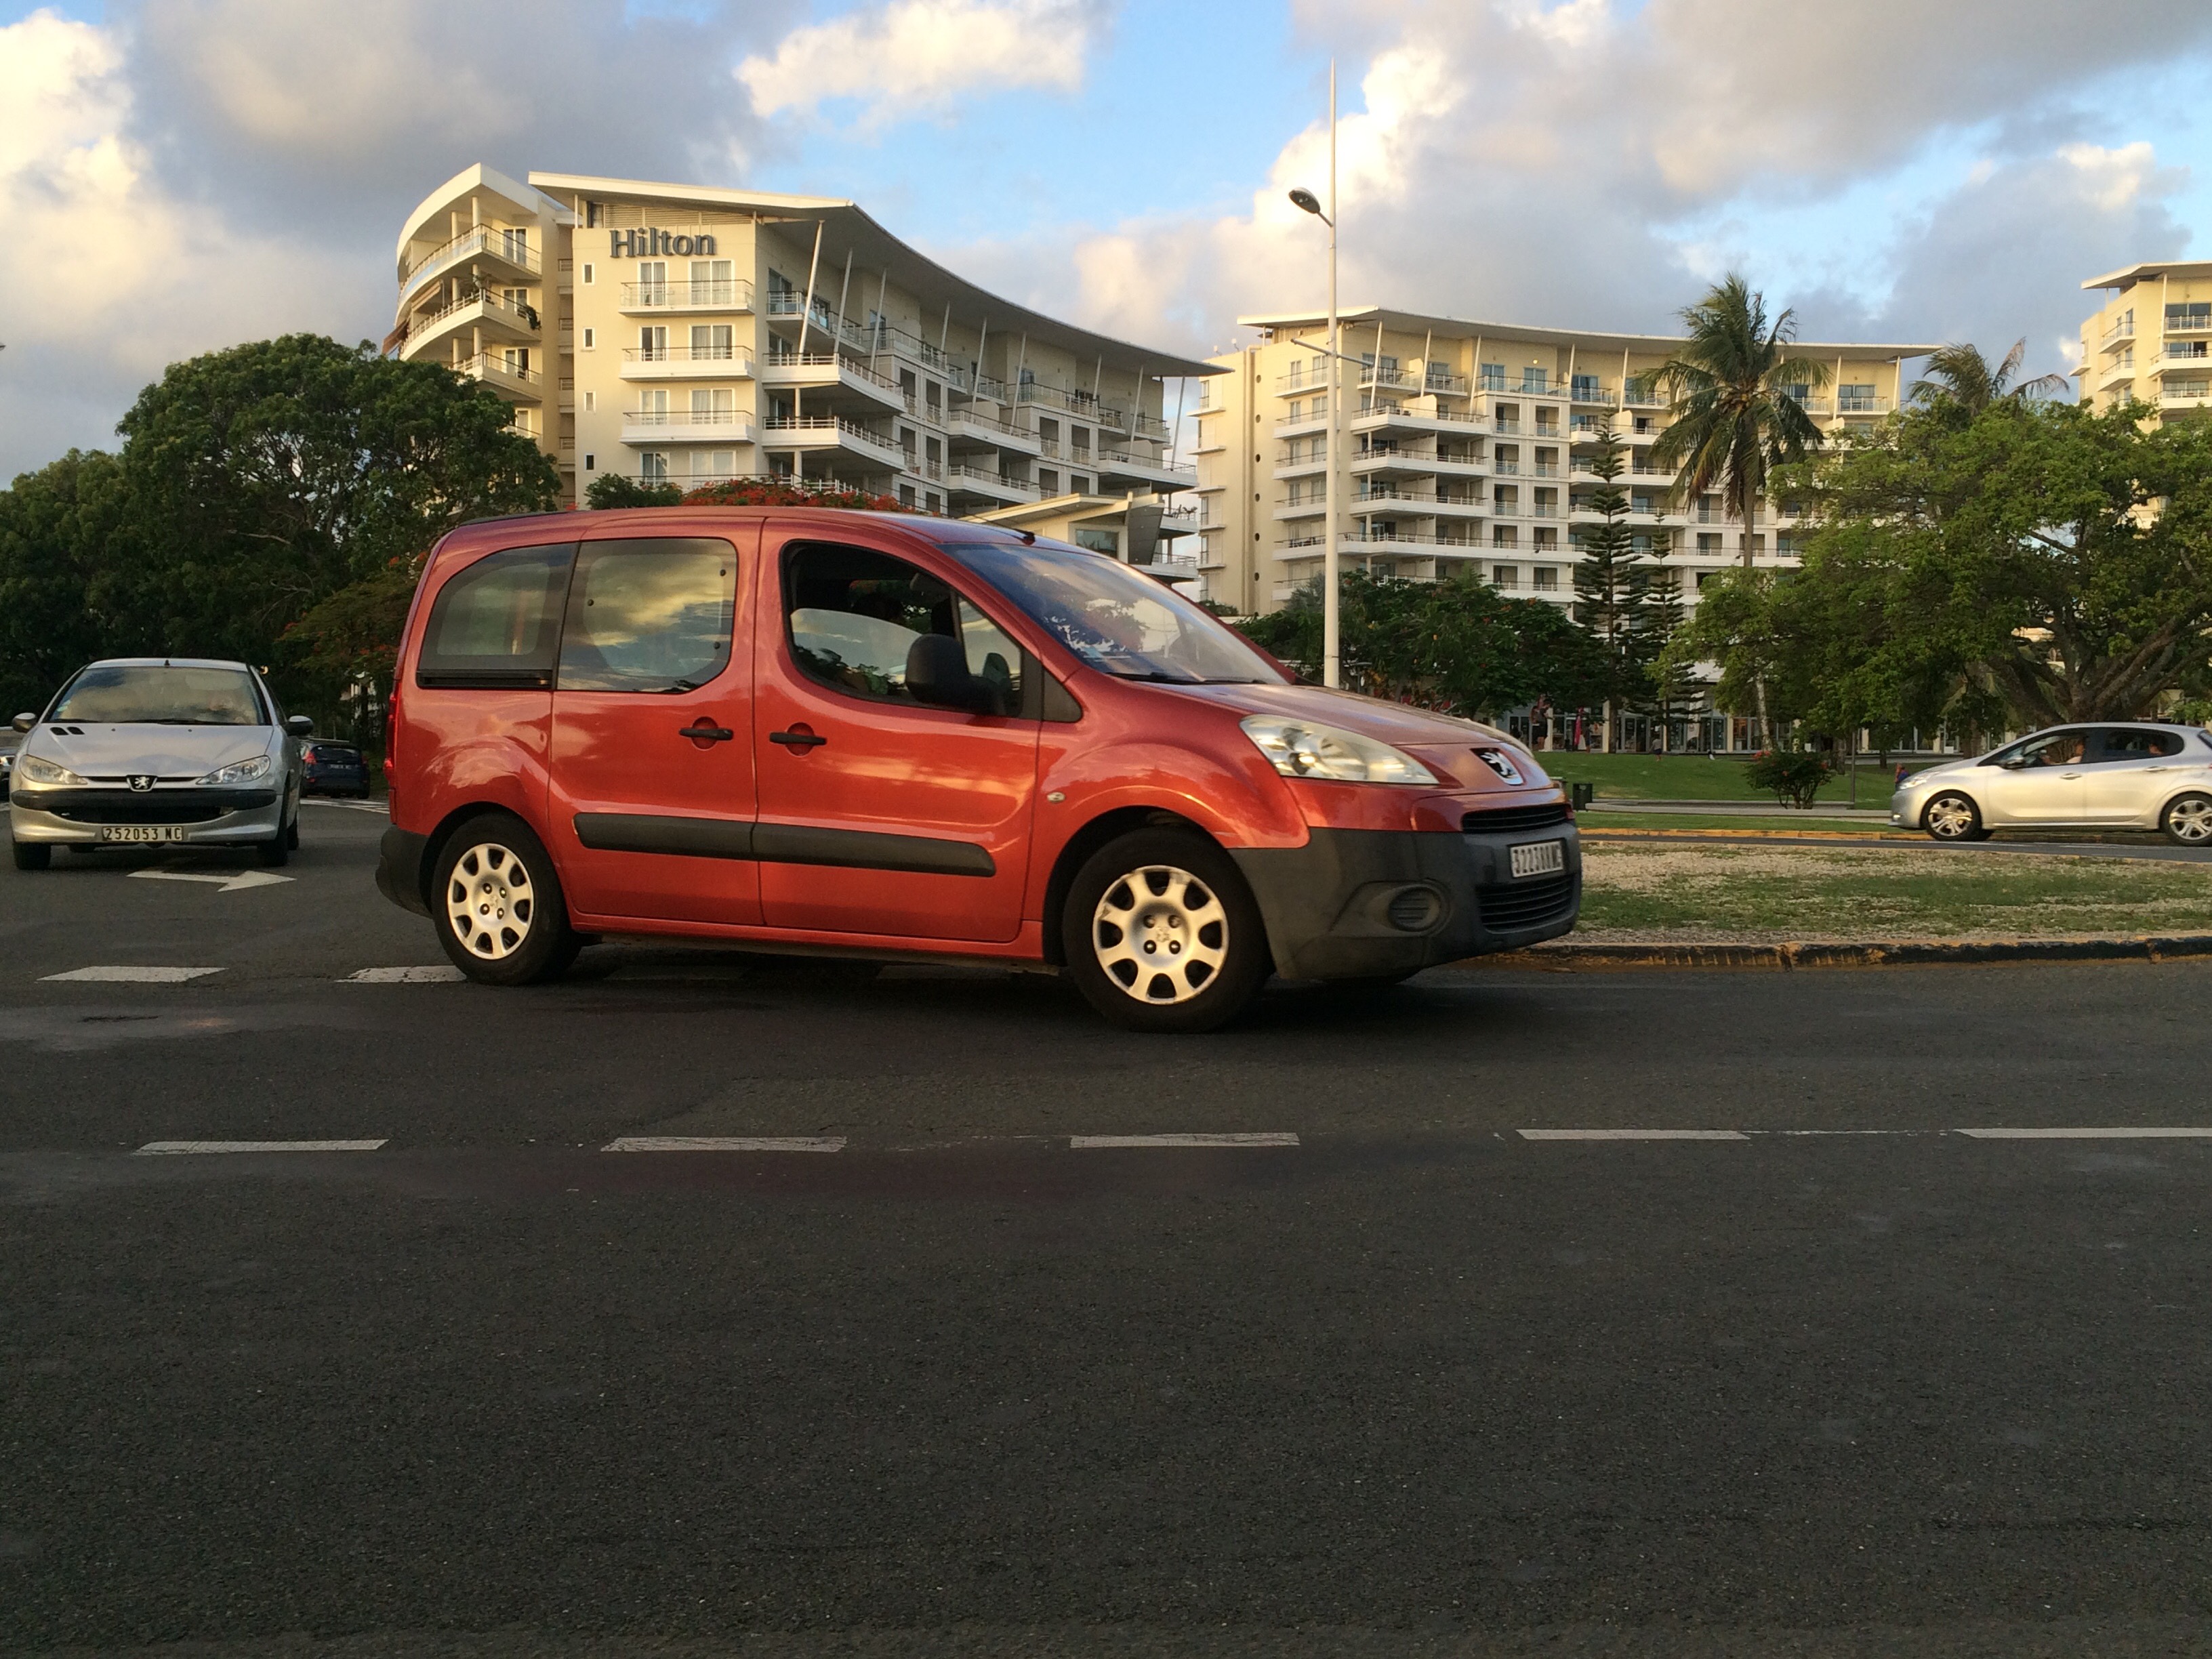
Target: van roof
(476,531)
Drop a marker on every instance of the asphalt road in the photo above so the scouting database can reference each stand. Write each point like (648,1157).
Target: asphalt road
(1849,1381)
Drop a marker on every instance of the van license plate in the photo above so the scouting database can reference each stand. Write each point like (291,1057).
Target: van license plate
(176,832)
(1540,858)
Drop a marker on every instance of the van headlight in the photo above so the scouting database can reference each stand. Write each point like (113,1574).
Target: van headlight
(1304,749)
(32,769)
(244,771)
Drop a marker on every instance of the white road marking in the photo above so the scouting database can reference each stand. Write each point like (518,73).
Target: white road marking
(236,881)
(346,805)
(181,1148)
(437,972)
(1086,1143)
(726,1144)
(2088,1135)
(1633,1134)
(133,975)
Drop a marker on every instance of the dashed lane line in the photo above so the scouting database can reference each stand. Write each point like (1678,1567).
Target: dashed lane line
(130,974)
(1095,1143)
(2115,1133)
(726,1144)
(1633,1134)
(438,973)
(187,1148)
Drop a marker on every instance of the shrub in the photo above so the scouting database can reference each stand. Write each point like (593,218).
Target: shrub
(1794,775)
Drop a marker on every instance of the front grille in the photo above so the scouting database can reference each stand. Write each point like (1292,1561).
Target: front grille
(155,807)
(1517,818)
(1508,909)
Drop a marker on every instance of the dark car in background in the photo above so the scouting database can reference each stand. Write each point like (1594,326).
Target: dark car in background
(333,768)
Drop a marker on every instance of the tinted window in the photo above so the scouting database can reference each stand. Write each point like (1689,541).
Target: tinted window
(160,695)
(853,615)
(497,622)
(2135,743)
(649,616)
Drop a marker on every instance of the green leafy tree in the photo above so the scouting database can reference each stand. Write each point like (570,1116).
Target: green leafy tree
(1670,684)
(1613,586)
(2036,562)
(613,490)
(63,532)
(1962,383)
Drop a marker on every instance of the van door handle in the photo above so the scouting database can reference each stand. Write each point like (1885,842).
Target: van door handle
(703,733)
(801,741)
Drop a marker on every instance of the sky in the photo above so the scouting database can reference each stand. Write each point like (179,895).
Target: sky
(177,176)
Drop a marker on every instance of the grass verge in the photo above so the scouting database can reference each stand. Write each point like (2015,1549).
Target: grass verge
(1685,893)
(1693,777)
(1597,823)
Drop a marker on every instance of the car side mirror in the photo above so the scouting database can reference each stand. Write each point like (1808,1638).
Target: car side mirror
(937,674)
(23,722)
(2013,765)
(300,725)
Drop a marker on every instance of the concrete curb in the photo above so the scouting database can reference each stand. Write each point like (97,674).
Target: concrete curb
(1596,831)
(1891,953)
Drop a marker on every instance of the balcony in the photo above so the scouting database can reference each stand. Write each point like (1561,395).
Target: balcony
(686,363)
(978,481)
(2125,330)
(1080,404)
(1847,404)
(967,424)
(2197,323)
(1146,469)
(2184,394)
(832,370)
(506,251)
(2194,350)
(828,432)
(1594,392)
(686,426)
(521,384)
(731,294)
(495,314)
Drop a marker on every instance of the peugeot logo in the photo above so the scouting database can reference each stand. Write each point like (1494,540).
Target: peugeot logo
(1497,762)
(141,782)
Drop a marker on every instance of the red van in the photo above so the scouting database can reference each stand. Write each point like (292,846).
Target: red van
(814,731)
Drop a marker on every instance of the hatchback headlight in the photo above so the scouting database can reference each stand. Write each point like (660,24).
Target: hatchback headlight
(244,771)
(1303,749)
(32,769)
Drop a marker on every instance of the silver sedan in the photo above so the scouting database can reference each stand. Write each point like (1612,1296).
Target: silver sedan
(2135,774)
(159,751)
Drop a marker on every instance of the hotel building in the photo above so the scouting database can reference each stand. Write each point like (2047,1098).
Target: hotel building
(2151,340)
(677,333)
(1465,449)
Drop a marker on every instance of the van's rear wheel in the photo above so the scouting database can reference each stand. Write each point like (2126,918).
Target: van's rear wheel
(1161,933)
(497,904)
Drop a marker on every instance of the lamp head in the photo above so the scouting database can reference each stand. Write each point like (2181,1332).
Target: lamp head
(1302,197)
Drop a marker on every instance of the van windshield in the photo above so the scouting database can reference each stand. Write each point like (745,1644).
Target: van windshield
(159,694)
(1117,620)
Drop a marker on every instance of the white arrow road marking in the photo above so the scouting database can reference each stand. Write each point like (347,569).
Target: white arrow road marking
(229,884)
(443,973)
(135,975)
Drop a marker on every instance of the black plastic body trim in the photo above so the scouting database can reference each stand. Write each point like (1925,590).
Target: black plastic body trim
(1327,904)
(399,871)
(646,832)
(781,843)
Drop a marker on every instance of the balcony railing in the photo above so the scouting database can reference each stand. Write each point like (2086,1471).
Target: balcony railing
(997,481)
(2188,349)
(510,245)
(727,294)
(522,315)
(489,366)
(2123,330)
(842,364)
(740,360)
(1442,382)
(721,418)
(832,427)
(2195,323)
(1847,404)
(1081,405)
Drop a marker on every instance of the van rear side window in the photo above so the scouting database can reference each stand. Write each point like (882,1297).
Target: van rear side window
(496,624)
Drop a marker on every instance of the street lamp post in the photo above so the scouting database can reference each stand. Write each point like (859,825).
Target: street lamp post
(1331,648)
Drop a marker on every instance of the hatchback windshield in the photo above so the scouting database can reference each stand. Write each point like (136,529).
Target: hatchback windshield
(160,694)
(1114,618)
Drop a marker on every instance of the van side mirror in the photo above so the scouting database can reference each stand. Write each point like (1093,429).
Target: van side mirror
(23,722)
(936,675)
(300,725)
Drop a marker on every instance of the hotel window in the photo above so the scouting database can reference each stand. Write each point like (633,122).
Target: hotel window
(712,282)
(1504,535)
(713,463)
(2197,315)
(714,408)
(515,245)
(653,406)
(1505,575)
(653,281)
(590,402)
(591,212)
(591,339)
(933,501)
(1493,377)
(653,343)
(1298,410)
(1078,484)
(587,273)
(1709,544)
(1533,380)
(1047,481)
(1547,538)
(711,340)
(517,360)
(1857,395)
(1544,579)
(1586,388)
(652,467)
(591,462)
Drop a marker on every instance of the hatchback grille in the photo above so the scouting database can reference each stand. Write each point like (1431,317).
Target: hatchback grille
(1517,818)
(149,806)
(1508,909)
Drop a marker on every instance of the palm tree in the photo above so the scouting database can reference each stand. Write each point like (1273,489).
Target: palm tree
(1735,392)
(1961,376)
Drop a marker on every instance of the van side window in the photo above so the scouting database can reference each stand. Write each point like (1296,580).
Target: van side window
(649,615)
(496,623)
(854,614)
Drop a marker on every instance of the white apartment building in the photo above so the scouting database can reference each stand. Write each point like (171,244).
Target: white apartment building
(1465,447)
(2151,339)
(676,332)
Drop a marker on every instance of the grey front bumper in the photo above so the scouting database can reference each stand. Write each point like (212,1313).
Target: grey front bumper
(207,816)
(1328,905)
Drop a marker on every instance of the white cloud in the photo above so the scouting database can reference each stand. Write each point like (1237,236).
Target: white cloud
(913,57)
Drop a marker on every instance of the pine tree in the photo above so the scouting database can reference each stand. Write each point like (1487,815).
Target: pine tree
(1670,686)
(1612,588)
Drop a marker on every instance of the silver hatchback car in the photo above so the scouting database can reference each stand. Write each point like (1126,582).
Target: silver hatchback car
(2124,775)
(159,750)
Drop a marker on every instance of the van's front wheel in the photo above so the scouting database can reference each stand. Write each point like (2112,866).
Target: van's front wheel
(1162,934)
(497,904)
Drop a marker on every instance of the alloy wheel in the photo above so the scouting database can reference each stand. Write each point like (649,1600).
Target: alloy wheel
(1950,817)
(2190,819)
(489,900)
(1161,934)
